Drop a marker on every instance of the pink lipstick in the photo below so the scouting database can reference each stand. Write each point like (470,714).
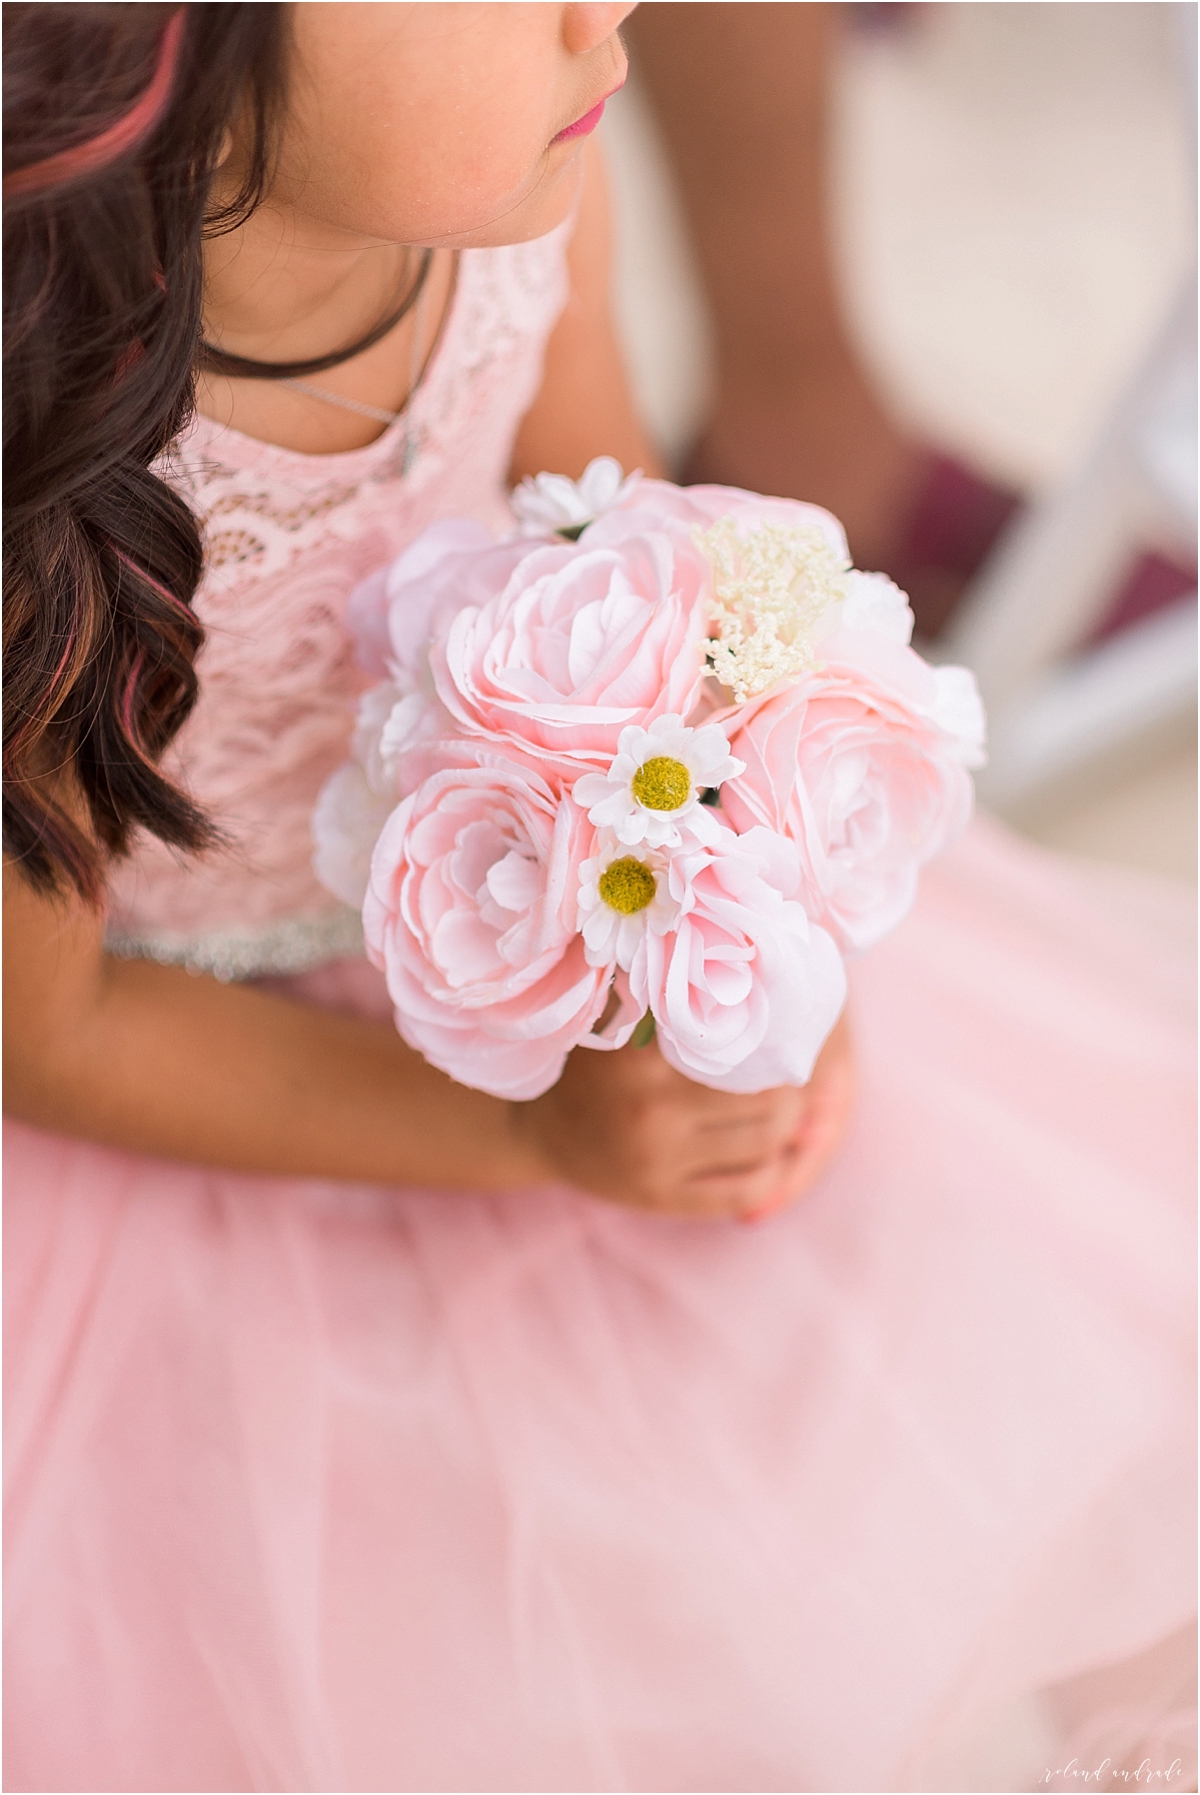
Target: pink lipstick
(583,125)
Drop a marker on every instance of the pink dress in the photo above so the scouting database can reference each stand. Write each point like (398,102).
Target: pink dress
(324,1486)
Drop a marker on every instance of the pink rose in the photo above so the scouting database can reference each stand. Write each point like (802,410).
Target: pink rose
(392,615)
(471,914)
(746,989)
(578,645)
(867,778)
(660,505)
(777,574)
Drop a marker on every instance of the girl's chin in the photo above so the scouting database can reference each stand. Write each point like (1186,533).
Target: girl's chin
(530,209)
(541,210)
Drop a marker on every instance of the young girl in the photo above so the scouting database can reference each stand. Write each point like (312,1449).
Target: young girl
(352,1445)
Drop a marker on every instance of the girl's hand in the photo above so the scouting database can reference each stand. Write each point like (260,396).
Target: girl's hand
(626,1126)
(828,1100)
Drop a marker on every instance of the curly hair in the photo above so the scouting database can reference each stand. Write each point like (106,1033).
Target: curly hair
(115,118)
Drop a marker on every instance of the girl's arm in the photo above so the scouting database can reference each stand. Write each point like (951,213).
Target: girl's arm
(153,1059)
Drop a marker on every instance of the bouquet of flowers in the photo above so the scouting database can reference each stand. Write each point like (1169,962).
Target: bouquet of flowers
(660,761)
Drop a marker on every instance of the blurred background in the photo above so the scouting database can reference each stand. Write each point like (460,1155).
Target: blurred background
(1005,198)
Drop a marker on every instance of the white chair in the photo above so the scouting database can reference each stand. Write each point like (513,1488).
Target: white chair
(1054,706)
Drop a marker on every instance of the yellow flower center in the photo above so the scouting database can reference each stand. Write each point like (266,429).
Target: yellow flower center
(662,784)
(627,885)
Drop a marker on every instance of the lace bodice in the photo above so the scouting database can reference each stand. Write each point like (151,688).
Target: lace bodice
(287,538)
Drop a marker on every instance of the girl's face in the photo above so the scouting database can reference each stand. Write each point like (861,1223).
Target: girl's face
(442,124)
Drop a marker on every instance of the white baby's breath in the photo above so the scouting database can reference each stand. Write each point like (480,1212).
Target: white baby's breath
(772,586)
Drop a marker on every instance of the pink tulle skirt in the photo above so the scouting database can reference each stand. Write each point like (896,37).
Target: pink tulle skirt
(317,1486)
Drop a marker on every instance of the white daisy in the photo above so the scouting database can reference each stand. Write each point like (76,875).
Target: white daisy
(550,504)
(651,792)
(622,894)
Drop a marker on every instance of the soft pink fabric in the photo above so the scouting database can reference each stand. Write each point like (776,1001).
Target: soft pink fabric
(328,1487)
(320,1486)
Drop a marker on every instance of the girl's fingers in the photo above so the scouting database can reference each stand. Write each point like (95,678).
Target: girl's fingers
(750,1112)
(636,1131)
(753,1152)
(818,1138)
(726,1194)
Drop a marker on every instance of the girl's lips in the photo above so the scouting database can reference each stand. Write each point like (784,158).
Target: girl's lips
(583,125)
(590,120)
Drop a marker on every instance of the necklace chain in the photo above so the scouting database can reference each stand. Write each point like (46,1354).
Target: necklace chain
(366,411)
(377,412)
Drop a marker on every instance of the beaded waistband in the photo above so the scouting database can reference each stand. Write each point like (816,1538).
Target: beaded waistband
(293,944)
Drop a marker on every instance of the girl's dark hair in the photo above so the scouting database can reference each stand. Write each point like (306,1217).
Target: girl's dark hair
(115,118)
